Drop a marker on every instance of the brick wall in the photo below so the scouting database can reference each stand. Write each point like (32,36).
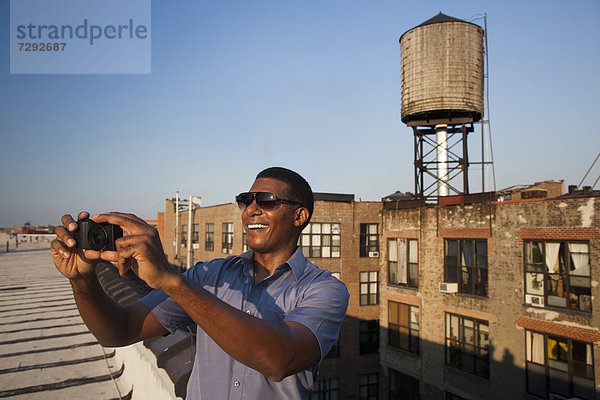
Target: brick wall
(504,226)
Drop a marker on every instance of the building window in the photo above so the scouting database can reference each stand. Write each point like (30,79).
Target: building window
(534,194)
(209,241)
(403,326)
(403,262)
(337,275)
(195,233)
(183,262)
(335,350)
(468,344)
(369,336)
(369,387)
(326,389)
(184,235)
(466,263)
(369,288)
(403,387)
(321,240)
(369,240)
(244,241)
(557,273)
(559,366)
(227,240)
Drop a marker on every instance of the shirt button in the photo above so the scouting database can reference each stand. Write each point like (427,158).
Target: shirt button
(236,384)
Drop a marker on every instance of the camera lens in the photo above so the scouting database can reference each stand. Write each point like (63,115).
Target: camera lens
(97,237)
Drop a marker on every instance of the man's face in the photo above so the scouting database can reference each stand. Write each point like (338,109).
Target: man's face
(270,231)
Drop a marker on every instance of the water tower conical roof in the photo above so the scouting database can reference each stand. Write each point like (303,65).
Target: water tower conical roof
(441,18)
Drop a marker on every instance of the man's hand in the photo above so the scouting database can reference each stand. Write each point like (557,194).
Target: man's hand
(139,249)
(72,262)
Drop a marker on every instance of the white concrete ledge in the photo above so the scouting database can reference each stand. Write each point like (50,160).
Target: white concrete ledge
(141,372)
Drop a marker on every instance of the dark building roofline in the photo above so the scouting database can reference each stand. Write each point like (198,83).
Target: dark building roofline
(343,198)
(574,191)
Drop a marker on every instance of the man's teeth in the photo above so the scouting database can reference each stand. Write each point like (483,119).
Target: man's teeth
(257,226)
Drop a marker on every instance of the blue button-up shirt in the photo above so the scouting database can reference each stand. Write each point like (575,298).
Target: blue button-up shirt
(297,291)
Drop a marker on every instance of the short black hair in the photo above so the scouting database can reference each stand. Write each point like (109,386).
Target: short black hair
(299,189)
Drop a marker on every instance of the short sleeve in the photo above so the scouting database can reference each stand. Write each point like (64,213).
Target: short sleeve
(166,310)
(322,309)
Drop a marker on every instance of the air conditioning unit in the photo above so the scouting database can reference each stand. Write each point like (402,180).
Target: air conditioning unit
(534,300)
(448,287)
(373,254)
(195,246)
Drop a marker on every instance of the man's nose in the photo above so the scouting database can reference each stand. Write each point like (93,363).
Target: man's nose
(253,208)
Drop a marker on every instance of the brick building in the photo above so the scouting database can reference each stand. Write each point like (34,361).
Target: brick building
(539,190)
(480,299)
(491,300)
(344,237)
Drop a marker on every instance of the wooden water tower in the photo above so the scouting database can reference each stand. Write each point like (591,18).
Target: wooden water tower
(442,63)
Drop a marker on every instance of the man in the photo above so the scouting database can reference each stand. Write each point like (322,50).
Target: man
(266,318)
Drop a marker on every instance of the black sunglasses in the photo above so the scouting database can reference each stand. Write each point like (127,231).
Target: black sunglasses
(265,200)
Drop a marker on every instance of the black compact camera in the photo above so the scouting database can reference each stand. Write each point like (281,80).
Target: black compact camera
(97,235)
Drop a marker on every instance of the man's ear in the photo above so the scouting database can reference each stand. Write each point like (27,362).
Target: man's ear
(300,216)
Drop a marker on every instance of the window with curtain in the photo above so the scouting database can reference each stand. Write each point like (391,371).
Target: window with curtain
(403,264)
(559,366)
(466,263)
(557,274)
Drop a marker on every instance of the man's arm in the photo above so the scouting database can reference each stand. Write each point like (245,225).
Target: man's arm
(274,350)
(112,324)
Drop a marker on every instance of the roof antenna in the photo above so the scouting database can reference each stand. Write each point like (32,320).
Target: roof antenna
(588,171)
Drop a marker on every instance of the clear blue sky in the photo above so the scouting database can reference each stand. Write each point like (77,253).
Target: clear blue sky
(237,86)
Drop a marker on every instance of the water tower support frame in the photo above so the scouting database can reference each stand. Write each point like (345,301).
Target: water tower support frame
(446,171)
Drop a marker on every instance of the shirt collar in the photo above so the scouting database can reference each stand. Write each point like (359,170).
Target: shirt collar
(297,261)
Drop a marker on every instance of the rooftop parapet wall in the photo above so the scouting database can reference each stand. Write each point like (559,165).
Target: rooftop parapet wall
(174,353)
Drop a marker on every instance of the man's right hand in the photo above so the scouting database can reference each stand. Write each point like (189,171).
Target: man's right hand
(72,262)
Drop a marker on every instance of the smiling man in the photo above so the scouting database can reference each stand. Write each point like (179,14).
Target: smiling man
(265,318)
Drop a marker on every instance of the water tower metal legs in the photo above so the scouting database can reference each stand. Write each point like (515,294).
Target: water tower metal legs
(441,155)
(441,137)
(465,160)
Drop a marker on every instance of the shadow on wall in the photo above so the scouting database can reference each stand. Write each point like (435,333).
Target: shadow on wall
(467,366)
